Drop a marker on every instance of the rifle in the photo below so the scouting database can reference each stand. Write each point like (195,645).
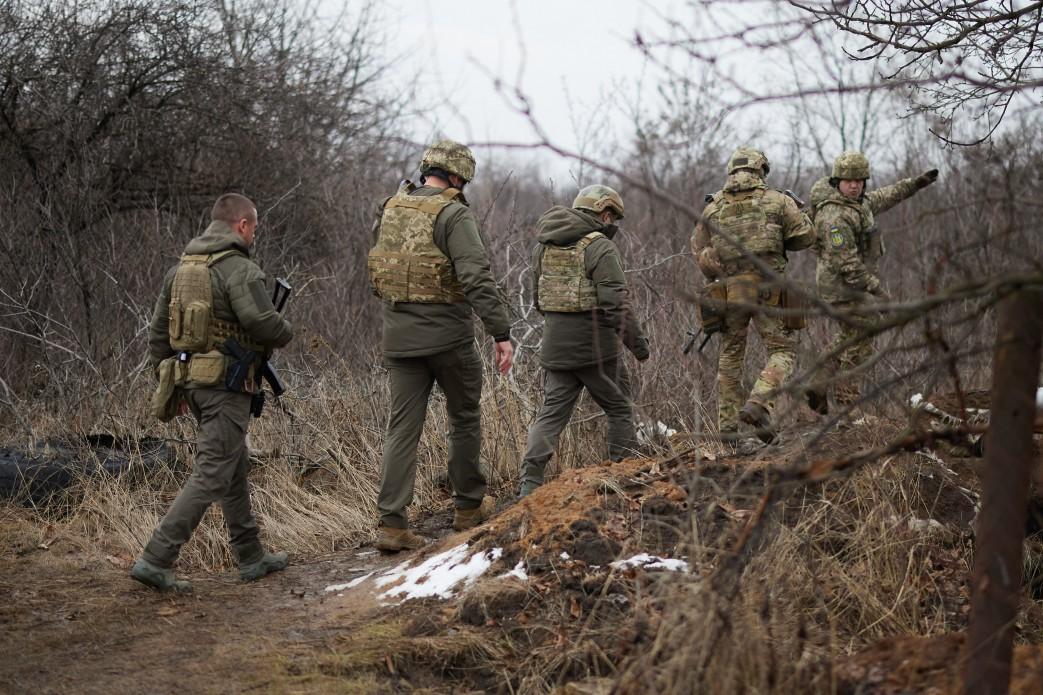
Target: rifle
(235,380)
(280,294)
(692,336)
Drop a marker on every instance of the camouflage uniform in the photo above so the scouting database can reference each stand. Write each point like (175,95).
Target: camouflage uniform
(766,223)
(582,293)
(430,268)
(849,249)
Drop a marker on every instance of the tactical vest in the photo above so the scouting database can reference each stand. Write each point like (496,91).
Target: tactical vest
(563,283)
(752,220)
(406,265)
(192,326)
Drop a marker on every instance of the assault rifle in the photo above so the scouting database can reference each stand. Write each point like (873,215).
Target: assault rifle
(235,380)
(693,336)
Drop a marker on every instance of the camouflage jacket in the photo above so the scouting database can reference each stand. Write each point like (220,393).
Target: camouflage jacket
(582,339)
(767,223)
(849,245)
(239,295)
(416,330)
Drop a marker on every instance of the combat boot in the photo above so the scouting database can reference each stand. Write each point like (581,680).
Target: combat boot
(758,417)
(527,488)
(464,519)
(392,540)
(269,562)
(159,578)
(817,401)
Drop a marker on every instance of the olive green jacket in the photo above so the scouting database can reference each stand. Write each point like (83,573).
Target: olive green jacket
(239,294)
(849,245)
(414,329)
(577,340)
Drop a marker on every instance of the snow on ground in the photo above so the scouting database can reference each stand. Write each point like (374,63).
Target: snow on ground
(652,562)
(1039,398)
(518,571)
(439,575)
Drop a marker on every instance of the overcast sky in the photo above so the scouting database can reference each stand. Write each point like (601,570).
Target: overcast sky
(568,56)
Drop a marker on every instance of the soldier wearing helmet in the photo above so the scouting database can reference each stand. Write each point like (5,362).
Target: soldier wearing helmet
(430,269)
(746,226)
(580,289)
(849,249)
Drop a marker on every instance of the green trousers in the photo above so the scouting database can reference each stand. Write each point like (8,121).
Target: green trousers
(608,385)
(458,373)
(219,475)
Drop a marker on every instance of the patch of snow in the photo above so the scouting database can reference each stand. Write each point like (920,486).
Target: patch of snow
(916,400)
(1039,398)
(391,575)
(439,575)
(349,585)
(652,562)
(925,525)
(646,429)
(518,571)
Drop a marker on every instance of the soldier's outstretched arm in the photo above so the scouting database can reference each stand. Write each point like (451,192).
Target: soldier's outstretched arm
(253,306)
(883,199)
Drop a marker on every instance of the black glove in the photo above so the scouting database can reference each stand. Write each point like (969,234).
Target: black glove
(927,178)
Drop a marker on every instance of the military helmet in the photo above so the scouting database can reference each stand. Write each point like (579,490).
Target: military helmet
(748,158)
(450,156)
(851,165)
(597,199)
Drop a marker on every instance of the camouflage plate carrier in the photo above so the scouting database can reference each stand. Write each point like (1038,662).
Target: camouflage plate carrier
(564,285)
(753,219)
(406,265)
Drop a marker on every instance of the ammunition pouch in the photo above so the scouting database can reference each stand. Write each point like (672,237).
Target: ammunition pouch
(742,293)
(795,305)
(167,397)
(206,368)
(712,303)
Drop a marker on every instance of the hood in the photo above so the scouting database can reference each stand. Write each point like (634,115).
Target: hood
(219,236)
(563,226)
(743,181)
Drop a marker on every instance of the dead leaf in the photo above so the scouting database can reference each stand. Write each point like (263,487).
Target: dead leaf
(167,611)
(575,609)
(117,561)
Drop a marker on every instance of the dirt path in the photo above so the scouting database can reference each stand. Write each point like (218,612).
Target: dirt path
(71,620)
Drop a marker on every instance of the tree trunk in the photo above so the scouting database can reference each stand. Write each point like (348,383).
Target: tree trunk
(996,581)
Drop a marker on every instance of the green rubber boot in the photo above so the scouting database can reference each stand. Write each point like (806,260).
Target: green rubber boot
(269,562)
(159,578)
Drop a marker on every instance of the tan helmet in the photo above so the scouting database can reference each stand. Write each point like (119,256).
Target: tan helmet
(749,158)
(450,156)
(851,165)
(597,199)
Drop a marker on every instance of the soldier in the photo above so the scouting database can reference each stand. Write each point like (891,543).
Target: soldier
(765,224)
(215,293)
(849,249)
(581,291)
(430,268)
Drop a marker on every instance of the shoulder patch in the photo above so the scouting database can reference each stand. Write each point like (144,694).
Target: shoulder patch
(836,237)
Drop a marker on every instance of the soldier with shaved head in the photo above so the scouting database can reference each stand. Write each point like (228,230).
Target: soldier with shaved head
(581,291)
(215,293)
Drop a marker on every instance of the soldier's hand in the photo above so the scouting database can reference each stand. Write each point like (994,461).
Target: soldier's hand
(927,178)
(641,351)
(504,353)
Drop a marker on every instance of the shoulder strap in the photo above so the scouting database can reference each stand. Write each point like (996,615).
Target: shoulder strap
(215,257)
(589,239)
